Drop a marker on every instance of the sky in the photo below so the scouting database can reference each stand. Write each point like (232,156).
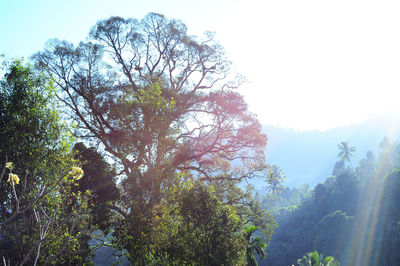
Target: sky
(311,64)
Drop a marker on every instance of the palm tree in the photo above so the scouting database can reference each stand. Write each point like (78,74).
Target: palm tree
(254,244)
(314,259)
(346,152)
(275,178)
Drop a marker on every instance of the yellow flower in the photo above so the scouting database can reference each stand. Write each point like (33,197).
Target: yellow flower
(14,178)
(76,173)
(9,165)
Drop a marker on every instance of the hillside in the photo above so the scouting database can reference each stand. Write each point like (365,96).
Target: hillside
(309,156)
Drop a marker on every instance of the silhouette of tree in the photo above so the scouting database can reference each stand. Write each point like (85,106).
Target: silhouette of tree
(346,152)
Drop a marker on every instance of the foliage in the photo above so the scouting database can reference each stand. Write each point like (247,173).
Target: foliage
(287,197)
(352,215)
(165,106)
(366,169)
(254,245)
(247,205)
(34,150)
(99,181)
(275,178)
(346,152)
(332,231)
(315,259)
(193,227)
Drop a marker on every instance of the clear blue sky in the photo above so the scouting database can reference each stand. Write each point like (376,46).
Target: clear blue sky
(27,25)
(312,64)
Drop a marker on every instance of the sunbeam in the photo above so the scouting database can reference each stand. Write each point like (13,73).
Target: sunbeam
(365,226)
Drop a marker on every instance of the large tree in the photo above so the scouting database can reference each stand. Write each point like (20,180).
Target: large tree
(158,101)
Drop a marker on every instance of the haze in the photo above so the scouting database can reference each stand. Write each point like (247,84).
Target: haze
(310,64)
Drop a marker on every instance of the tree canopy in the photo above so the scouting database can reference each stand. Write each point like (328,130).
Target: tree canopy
(38,222)
(160,103)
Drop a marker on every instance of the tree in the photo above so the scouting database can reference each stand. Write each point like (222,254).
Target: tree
(331,233)
(165,105)
(341,215)
(193,227)
(275,178)
(35,223)
(320,192)
(314,259)
(246,204)
(254,245)
(366,169)
(346,152)
(99,180)
(339,168)
(388,157)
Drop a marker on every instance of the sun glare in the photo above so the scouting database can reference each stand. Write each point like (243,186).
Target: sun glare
(313,64)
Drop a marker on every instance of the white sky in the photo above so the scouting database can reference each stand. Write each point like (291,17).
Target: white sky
(311,64)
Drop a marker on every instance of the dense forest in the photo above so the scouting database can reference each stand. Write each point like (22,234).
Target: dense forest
(353,215)
(136,141)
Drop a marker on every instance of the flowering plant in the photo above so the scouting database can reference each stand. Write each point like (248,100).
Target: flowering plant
(13,178)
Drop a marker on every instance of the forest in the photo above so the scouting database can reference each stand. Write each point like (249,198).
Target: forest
(135,148)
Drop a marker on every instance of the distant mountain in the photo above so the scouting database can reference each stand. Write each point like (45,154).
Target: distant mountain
(309,156)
